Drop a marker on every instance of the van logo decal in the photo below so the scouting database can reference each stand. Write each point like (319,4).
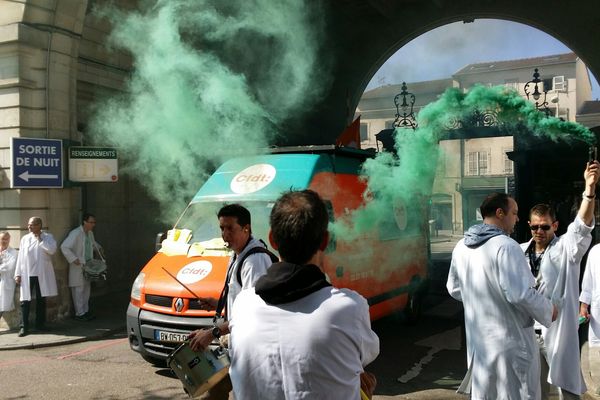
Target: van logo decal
(194,272)
(253,178)
(179,304)
(401,214)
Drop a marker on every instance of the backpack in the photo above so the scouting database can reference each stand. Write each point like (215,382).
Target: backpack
(225,291)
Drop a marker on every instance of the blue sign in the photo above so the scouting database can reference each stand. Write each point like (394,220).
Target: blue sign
(36,163)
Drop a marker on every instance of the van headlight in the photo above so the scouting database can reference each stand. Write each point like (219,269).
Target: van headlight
(136,288)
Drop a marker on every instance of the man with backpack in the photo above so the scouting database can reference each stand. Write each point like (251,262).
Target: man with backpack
(249,262)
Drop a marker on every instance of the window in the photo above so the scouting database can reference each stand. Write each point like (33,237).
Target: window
(483,163)
(199,218)
(472,163)
(364,131)
(559,83)
(508,164)
(477,163)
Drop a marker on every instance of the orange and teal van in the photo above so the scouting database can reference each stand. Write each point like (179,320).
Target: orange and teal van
(387,265)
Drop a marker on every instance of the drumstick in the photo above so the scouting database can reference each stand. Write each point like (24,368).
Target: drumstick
(363,395)
(181,283)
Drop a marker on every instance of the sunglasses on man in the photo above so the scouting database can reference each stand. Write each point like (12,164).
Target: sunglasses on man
(542,227)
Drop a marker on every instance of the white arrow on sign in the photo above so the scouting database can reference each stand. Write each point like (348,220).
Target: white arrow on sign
(449,340)
(26,176)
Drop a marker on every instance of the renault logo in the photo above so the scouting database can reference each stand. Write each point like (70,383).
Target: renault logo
(179,304)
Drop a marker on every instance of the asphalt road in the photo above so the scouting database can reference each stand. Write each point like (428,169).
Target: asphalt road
(422,361)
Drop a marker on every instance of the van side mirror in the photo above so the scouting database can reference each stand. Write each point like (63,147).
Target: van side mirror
(158,240)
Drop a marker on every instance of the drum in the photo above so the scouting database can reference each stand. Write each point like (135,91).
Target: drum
(198,371)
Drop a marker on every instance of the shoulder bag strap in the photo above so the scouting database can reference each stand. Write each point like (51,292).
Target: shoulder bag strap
(254,250)
(224,292)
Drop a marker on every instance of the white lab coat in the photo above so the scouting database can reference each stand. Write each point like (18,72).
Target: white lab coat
(312,348)
(33,253)
(73,248)
(496,287)
(8,263)
(590,294)
(255,266)
(559,281)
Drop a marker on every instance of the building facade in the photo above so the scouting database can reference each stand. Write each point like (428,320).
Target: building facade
(54,63)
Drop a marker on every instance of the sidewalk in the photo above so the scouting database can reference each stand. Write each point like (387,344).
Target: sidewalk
(590,366)
(110,318)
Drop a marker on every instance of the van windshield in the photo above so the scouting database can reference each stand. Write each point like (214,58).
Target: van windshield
(201,219)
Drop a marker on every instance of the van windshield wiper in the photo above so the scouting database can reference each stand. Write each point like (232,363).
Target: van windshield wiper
(181,283)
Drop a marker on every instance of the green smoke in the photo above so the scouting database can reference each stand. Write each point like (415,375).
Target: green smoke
(408,178)
(210,80)
(513,110)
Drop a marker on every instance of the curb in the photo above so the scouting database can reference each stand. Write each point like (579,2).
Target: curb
(110,319)
(60,340)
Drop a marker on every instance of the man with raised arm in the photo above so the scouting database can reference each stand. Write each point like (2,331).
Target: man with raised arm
(555,263)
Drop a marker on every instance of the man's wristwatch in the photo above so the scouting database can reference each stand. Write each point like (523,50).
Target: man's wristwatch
(216,332)
(588,197)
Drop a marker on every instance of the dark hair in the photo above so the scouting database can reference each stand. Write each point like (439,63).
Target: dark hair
(298,225)
(235,210)
(493,202)
(87,216)
(543,209)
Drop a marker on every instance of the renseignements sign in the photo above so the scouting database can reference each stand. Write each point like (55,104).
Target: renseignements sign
(93,152)
(93,164)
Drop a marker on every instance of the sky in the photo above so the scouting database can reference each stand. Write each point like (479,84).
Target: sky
(441,52)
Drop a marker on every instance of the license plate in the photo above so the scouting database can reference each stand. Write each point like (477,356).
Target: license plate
(165,336)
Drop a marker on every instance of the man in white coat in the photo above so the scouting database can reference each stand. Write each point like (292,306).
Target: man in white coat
(555,263)
(78,248)
(294,336)
(249,262)
(8,262)
(590,297)
(490,276)
(35,273)
(590,301)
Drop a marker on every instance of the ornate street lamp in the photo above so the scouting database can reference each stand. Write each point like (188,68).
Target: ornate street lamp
(405,116)
(540,102)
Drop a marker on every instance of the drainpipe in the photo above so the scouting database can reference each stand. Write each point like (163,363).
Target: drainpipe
(48,82)
(461,193)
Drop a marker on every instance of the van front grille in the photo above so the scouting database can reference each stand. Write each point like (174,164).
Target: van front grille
(194,305)
(162,301)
